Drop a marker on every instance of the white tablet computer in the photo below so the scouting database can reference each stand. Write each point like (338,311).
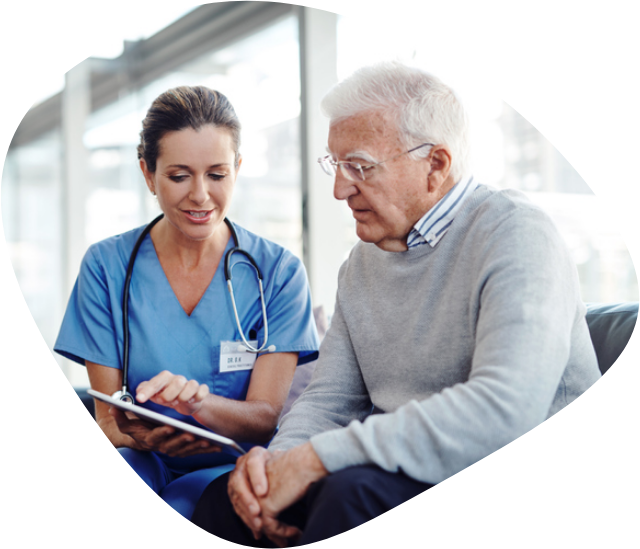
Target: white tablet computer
(225,443)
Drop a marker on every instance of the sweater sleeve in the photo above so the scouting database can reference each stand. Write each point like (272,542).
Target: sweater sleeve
(527,290)
(335,396)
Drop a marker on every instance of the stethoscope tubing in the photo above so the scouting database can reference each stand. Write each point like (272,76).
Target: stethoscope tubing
(124,394)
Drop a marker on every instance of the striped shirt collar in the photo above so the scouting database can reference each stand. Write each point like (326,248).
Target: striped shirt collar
(436,222)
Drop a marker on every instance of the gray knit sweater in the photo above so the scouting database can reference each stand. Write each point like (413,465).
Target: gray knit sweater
(437,357)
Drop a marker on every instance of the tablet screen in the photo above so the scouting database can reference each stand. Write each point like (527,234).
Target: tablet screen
(225,443)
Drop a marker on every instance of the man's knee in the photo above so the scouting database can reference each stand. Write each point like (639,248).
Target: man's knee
(367,488)
(350,480)
(348,498)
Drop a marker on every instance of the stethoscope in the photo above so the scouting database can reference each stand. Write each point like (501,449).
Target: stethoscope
(124,394)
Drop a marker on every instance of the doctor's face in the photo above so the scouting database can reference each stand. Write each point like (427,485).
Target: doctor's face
(194,179)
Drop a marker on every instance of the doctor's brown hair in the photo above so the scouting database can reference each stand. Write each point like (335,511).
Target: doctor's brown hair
(186,107)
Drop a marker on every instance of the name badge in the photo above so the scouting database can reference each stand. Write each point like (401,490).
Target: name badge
(235,358)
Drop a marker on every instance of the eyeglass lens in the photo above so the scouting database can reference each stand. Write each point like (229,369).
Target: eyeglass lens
(351,171)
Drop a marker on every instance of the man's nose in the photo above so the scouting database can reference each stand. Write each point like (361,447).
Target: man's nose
(343,188)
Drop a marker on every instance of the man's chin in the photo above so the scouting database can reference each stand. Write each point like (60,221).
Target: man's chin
(383,241)
(362,231)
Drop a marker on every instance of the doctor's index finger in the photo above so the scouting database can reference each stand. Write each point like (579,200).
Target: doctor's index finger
(153,386)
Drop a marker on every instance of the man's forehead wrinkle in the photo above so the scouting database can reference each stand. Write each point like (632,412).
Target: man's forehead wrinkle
(372,127)
(379,122)
(382,129)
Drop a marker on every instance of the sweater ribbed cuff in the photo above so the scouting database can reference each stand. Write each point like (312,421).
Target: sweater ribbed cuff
(339,449)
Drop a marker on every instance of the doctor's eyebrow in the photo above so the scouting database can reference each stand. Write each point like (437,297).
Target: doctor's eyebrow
(185,167)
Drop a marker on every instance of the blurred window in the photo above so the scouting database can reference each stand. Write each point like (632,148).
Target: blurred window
(267,197)
(33,225)
(508,152)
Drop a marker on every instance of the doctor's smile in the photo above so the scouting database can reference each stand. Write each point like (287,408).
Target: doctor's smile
(199,216)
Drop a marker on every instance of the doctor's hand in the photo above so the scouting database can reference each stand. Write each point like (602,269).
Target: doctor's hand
(151,437)
(174,391)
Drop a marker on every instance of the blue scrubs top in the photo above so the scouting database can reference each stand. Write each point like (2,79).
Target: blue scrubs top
(164,337)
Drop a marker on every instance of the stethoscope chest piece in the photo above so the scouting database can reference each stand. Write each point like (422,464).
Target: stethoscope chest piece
(124,396)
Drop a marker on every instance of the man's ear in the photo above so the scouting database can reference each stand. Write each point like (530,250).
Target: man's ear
(148,176)
(440,159)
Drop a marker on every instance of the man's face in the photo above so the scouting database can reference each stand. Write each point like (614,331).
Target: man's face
(394,195)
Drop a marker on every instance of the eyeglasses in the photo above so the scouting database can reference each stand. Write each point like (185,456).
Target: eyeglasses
(354,171)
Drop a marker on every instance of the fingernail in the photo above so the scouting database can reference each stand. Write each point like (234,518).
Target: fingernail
(253,509)
(142,396)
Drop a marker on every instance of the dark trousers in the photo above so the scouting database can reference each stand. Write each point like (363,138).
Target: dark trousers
(335,504)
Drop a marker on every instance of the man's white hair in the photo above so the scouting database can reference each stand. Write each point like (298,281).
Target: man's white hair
(425,109)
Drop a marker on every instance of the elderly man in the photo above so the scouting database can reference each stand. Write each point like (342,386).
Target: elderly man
(458,326)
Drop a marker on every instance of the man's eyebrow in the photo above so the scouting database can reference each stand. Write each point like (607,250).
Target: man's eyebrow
(359,155)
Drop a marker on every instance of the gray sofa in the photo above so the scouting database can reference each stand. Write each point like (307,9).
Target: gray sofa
(610,326)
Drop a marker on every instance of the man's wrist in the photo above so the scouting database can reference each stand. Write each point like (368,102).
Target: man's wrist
(308,461)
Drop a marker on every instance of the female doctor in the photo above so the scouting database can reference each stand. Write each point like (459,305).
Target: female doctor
(181,316)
